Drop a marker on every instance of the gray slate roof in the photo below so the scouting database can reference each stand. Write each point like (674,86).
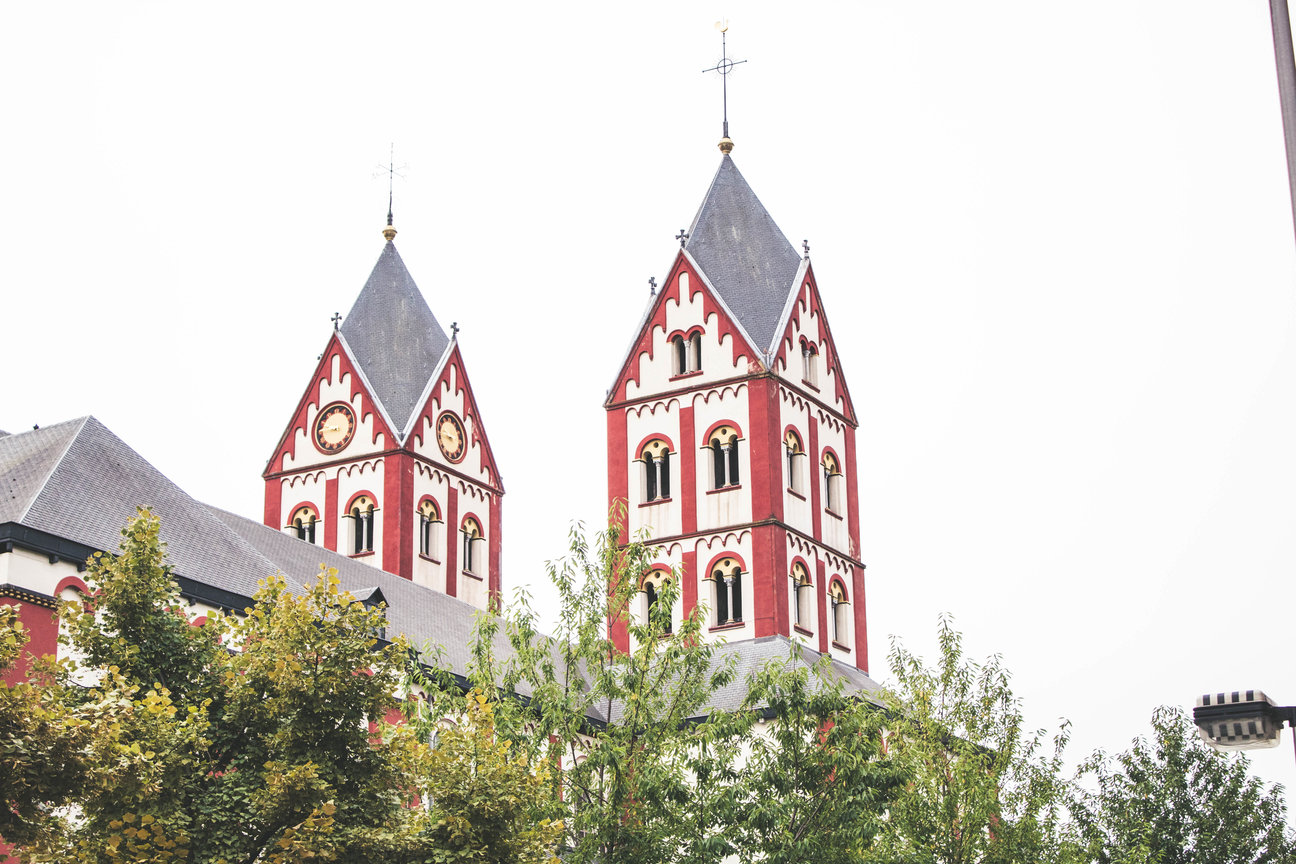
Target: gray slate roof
(79,481)
(394,336)
(743,253)
(751,655)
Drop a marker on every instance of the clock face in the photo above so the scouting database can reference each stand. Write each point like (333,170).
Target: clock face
(450,436)
(334,428)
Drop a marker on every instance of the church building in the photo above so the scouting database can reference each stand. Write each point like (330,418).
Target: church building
(385,458)
(730,442)
(731,436)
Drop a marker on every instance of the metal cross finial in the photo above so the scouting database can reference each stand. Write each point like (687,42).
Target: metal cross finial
(454,329)
(724,67)
(805,244)
(337,317)
(652,286)
(682,237)
(390,170)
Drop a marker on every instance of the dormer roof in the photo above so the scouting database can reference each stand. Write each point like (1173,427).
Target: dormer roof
(744,255)
(394,337)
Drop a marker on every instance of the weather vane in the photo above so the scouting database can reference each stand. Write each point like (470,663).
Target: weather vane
(392,172)
(724,67)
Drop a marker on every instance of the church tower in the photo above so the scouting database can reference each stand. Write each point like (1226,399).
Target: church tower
(385,458)
(731,437)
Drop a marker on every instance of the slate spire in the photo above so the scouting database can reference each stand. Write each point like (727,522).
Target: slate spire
(743,253)
(394,336)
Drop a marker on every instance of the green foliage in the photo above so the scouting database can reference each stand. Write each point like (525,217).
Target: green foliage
(977,788)
(46,746)
(486,804)
(814,785)
(626,779)
(650,773)
(1171,799)
(254,739)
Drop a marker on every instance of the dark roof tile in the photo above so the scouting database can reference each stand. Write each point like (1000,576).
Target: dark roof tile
(743,253)
(394,337)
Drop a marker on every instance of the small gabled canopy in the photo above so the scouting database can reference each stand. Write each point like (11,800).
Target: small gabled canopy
(743,253)
(371,597)
(395,338)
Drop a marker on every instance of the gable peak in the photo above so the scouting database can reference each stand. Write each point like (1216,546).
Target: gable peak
(393,335)
(743,253)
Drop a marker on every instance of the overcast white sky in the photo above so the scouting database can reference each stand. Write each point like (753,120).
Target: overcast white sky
(1053,239)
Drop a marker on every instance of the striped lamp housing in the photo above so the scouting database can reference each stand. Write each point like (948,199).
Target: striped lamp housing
(1240,720)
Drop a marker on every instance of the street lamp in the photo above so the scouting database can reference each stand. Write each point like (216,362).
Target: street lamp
(1241,720)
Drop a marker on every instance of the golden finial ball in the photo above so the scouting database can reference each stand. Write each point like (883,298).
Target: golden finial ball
(726,145)
(389,232)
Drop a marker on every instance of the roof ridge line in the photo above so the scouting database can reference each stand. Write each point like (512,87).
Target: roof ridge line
(421,402)
(54,464)
(715,293)
(364,379)
(626,355)
(788,306)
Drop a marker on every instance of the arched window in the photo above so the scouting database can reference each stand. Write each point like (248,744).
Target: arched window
(303,522)
(794,461)
(832,482)
(802,593)
(686,354)
(362,524)
(429,525)
(655,469)
(840,612)
(809,363)
(652,586)
(723,445)
(473,552)
(726,581)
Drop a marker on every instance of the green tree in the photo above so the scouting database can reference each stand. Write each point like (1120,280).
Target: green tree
(46,746)
(1171,799)
(977,788)
(263,738)
(814,784)
(487,802)
(793,771)
(617,722)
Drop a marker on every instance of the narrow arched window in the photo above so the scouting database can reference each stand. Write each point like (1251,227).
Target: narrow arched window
(726,581)
(472,541)
(303,522)
(832,483)
(809,363)
(362,524)
(655,470)
(794,457)
(802,593)
(652,587)
(681,355)
(840,612)
(724,457)
(695,352)
(429,523)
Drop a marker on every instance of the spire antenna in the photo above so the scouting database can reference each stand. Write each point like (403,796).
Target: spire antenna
(724,67)
(391,171)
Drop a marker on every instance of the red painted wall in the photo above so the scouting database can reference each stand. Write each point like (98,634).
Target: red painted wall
(41,625)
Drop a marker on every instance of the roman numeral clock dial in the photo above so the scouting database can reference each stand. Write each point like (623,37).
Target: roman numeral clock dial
(450,436)
(334,428)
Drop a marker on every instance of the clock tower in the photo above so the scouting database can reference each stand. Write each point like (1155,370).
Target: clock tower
(731,437)
(386,458)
